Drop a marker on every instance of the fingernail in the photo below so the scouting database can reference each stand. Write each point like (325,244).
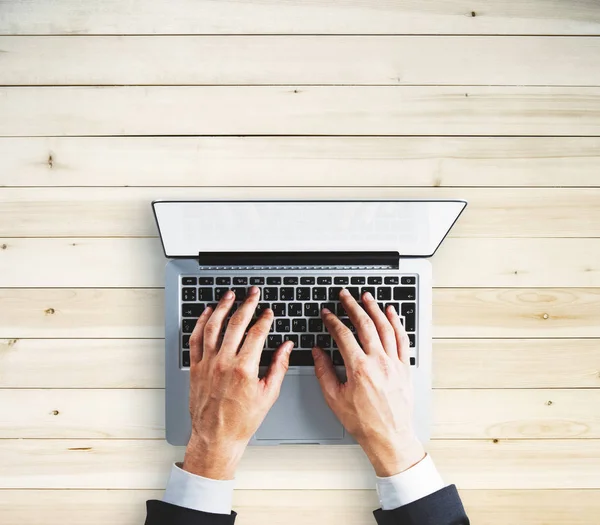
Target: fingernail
(392,308)
(289,346)
(228,295)
(326,311)
(253,290)
(344,292)
(368,296)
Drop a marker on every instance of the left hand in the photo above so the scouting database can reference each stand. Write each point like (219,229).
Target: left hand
(228,401)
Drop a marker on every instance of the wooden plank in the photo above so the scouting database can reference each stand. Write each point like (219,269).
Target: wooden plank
(73,17)
(125,507)
(267,60)
(458,312)
(139,262)
(145,464)
(458,414)
(300,161)
(306,110)
(126,212)
(457,363)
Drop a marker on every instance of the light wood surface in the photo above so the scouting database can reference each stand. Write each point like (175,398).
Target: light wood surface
(105,106)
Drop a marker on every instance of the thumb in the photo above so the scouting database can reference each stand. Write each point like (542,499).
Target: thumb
(325,372)
(278,367)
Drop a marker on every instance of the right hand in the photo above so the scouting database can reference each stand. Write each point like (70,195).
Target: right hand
(375,404)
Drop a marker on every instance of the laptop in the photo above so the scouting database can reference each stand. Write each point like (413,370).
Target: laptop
(300,254)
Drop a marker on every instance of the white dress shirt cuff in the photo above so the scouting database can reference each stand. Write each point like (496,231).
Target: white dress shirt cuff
(195,492)
(415,483)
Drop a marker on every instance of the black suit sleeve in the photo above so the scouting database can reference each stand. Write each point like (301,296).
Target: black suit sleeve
(161,513)
(440,508)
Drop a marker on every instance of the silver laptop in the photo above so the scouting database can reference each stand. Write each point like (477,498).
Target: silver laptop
(300,254)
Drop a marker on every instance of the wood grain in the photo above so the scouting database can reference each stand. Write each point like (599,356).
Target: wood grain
(144,464)
(289,507)
(300,161)
(267,60)
(74,17)
(304,110)
(126,212)
(457,414)
(458,313)
(139,262)
(457,363)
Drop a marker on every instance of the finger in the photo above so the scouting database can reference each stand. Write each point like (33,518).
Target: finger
(214,326)
(383,326)
(238,324)
(325,373)
(402,340)
(196,339)
(365,328)
(277,369)
(346,342)
(255,340)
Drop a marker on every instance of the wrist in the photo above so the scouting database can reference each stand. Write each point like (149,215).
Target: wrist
(390,458)
(213,461)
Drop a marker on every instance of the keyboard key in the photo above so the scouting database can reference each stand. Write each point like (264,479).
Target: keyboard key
(267,356)
(286,293)
(408,280)
(192,310)
(337,358)
(311,310)
(223,280)
(274,340)
(260,308)
(330,306)
(273,280)
(357,280)
(290,280)
(188,281)
(393,279)
(203,281)
(405,293)
(365,289)
(381,306)
(240,293)
(307,280)
(270,294)
(185,358)
(324,340)
(282,325)
(315,325)
(220,292)
(298,325)
(319,293)
(408,309)
(303,294)
(413,361)
(301,358)
(339,311)
(188,294)
(291,337)
(185,341)
(374,280)
(187,326)
(257,280)
(323,280)
(410,317)
(384,293)
(395,305)
(240,280)
(341,280)
(411,338)
(334,293)
(205,294)
(307,341)
(354,292)
(295,309)
(279,309)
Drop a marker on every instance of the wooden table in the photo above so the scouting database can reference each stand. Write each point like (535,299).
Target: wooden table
(495,102)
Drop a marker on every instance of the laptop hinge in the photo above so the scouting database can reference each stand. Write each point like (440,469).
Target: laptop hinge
(295,259)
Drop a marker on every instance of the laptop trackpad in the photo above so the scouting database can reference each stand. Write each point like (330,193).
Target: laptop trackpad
(300,413)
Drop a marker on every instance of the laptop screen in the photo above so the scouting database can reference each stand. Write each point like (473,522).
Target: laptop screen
(414,228)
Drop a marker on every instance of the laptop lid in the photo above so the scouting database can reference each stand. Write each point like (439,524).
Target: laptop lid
(413,228)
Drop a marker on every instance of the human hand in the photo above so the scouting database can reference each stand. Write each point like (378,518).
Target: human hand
(375,404)
(228,401)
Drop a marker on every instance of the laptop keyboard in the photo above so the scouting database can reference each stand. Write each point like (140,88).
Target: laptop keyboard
(296,302)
